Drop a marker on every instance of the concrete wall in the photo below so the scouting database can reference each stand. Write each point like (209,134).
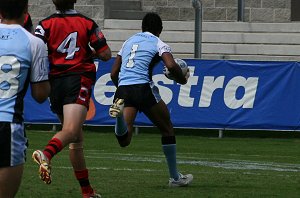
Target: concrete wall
(220,40)
(213,10)
(94,9)
(222,10)
(269,36)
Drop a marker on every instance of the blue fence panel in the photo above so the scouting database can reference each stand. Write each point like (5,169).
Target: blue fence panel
(219,94)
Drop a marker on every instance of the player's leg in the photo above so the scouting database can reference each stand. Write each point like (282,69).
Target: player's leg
(124,122)
(74,117)
(156,110)
(81,172)
(69,99)
(125,113)
(160,116)
(10,180)
(76,152)
(124,126)
(54,146)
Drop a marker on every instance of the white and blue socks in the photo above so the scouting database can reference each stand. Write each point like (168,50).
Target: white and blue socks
(169,149)
(120,126)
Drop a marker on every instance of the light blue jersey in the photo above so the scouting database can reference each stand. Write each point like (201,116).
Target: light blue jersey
(23,59)
(138,54)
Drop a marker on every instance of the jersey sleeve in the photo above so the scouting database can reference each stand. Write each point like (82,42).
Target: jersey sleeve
(163,47)
(121,50)
(40,32)
(40,62)
(97,39)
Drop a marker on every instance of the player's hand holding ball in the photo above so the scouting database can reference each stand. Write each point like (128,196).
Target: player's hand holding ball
(184,68)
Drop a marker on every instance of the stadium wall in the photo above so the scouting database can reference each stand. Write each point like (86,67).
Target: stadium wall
(40,9)
(220,40)
(213,10)
(222,10)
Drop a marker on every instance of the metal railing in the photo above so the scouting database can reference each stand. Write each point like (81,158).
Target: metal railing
(197,4)
(241,10)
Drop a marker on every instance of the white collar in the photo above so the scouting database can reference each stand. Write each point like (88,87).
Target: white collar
(70,11)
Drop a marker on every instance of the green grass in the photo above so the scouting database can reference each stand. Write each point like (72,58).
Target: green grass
(228,167)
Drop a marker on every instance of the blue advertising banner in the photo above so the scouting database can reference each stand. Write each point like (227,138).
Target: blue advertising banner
(220,94)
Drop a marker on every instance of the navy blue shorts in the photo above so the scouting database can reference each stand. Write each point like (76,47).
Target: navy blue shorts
(74,89)
(13,144)
(140,96)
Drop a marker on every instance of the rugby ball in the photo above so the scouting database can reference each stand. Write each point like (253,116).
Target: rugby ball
(182,64)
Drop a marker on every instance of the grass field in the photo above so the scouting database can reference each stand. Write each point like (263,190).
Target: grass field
(227,167)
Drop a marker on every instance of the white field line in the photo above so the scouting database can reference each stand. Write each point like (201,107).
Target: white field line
(232,164)
(214,162)
(189,154)
(108,168)
(160,170)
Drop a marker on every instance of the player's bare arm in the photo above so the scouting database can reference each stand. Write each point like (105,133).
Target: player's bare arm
(104,55)
(116,69)
(40,91)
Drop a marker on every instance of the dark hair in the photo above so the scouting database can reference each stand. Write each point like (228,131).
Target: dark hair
(152,23)
(64,5)
(12,9)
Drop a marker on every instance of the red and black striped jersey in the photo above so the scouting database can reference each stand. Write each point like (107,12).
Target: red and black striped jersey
(69,37)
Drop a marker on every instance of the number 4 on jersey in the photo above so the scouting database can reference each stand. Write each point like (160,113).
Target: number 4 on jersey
(69,46)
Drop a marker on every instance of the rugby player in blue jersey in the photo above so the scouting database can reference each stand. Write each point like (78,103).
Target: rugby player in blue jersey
(132,74)
(23,61)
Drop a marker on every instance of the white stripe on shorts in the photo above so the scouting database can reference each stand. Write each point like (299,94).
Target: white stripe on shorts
(18,144)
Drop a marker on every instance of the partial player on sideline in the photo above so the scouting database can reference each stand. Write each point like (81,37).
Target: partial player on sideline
(23,61)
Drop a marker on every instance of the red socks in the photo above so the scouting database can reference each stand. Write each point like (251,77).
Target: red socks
(83,177)
(53,147)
